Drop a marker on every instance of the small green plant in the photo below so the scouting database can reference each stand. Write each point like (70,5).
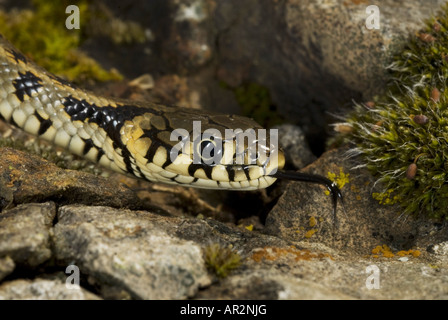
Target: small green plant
(402,136)
(221,260)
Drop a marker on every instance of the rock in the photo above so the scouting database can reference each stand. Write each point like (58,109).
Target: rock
(278,272)
(42,289)
(140,255)
(268,285)
(314,57)
(174,90)
(130,250)
(26,178)
(292,140)
(188,43)
(335,37)
(7,266)
(314,271)
(25,233)
(144,82)
(440,249)
(305,213)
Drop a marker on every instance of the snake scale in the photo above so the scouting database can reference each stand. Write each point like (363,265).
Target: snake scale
(131,137)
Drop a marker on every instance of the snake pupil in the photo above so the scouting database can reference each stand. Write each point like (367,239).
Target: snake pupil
(210,151)
(207,148)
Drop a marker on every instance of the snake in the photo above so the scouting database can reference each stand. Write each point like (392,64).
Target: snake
(135,138)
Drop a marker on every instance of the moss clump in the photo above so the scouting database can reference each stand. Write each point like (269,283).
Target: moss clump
(221,260)
(41,34)
(402,136)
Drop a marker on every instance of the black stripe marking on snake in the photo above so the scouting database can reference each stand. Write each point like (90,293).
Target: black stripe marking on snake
(26,84)
(192,168)
(231,172)
(88,144)
(44,123)
(109,118)
(17,56)
(152,151)
(99,155)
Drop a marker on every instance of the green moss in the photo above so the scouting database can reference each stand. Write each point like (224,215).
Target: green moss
(41,34)
(255,101)
(403,137)
(221,260)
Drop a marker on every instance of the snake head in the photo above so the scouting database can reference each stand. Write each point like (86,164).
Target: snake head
(204,150)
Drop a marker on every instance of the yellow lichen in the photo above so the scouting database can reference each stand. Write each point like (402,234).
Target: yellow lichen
(386,252)
(341,179)
(386,197)
(376,250)
(414,253)
(310,233)
(275,253)
(249,227)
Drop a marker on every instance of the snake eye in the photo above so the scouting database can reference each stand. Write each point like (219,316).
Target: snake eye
(207,147)
(210,150)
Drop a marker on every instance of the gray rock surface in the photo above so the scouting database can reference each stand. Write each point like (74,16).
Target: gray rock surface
(314,56)
(131,250)
(295,146)
(138,254)
(42,289)
(341,277)
(7,266)
(27,178)
(25,233)
(305,212)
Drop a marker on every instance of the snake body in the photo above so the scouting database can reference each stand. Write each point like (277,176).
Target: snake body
(127,136)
